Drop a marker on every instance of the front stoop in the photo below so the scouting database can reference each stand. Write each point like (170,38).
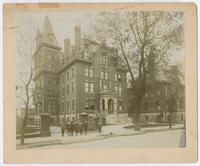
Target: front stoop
(118,119)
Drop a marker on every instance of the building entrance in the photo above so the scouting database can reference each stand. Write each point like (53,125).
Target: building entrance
(110,106)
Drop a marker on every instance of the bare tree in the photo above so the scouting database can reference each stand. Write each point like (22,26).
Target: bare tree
(24,47)
(140,36)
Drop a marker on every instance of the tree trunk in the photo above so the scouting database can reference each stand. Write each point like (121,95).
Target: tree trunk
(22,135)
(137,113)
(23,127)
(24,123)
(170,118)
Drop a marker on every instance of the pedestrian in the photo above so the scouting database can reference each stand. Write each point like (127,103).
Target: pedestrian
(72,126)
(63,129)
(81,128)
(85,127)
(66,126)
(76,127)
(100,127)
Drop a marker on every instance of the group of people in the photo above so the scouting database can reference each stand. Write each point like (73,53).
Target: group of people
(74,127)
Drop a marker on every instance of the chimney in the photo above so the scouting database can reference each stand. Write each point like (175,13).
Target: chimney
(67,46)
(78,37)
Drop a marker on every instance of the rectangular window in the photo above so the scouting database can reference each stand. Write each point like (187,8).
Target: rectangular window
(91,73)
(49,58)
(67,75)
(86,72)
(67,89)
(73,87)
(102,75)
(145,105)
(116,77)
(63,91)
(110,84)
(63,107)
(67,106)
(120,90)
(73,72)
(106,75)
(119,77)
(105,87)
(181,105)
(89,104)
(63,78)
(91,87)
(86,87)
(73,105)
(116,89)
(104,60)
(158,104)
(166,91)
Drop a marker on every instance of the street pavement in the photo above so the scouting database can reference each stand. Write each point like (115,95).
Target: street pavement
(107,132)
(170,138)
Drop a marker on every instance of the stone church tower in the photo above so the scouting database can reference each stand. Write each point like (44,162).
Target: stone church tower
(46,58)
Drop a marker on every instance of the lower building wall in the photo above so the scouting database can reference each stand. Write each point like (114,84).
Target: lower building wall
(177,117)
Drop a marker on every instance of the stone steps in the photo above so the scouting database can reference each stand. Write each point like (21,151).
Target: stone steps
(117,119)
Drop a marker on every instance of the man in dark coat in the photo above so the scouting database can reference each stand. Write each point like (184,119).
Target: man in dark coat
(81,127)
(85,127)
(76,127)
(67,126)
(100,127)
(63,129)
(72,126)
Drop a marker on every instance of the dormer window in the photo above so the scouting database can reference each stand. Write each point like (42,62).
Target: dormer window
(85,56)
(104,60)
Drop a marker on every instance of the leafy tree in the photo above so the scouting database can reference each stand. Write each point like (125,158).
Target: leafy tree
(175,78)
(139,36)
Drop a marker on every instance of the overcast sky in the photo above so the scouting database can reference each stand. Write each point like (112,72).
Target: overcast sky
(63,24)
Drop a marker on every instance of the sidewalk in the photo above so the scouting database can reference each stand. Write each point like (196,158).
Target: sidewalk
(107,131)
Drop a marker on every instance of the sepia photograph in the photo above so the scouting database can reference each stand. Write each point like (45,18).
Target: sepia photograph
(100,83)
(100,79)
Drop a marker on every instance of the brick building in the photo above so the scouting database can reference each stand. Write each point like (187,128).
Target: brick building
(155,104)
(86,77)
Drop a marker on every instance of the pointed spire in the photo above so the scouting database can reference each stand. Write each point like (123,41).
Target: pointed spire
(48,33)
(38,32)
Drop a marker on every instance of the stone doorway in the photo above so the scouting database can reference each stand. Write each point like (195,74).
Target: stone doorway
(110,106)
